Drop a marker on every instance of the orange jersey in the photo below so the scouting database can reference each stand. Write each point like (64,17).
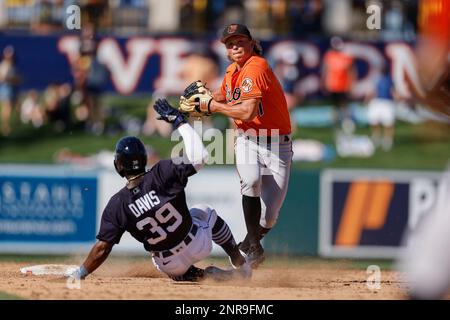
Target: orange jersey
(337,77)
(257,80)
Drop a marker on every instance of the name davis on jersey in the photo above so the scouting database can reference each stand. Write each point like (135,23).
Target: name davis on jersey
(144,203)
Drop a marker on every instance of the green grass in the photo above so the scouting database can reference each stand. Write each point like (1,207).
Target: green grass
(41,145)
(271,261)
(423,146)
(417,147)
(7,296)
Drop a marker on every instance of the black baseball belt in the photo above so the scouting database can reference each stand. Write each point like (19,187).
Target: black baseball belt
(266,140)
(167,253)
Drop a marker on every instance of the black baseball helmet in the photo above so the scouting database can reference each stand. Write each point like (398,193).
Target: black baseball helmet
(131,157)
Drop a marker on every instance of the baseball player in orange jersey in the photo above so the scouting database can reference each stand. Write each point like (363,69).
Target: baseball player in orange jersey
(252,95)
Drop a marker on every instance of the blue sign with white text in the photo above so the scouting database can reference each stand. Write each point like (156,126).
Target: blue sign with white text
(48,209)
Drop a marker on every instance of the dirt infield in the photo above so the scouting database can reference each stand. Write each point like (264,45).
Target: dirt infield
(138,279)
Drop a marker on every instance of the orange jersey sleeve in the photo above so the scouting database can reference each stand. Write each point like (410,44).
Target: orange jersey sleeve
(257,80)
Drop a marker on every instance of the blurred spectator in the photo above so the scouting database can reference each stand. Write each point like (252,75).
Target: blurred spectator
(132,3)
(305,16)
(88,41)
(337,17)
(2,14)
(234,12)
(338,75)
(31,110)
(94,11)
(163,16)
(97,77)
(51,14)
(381,111)
(9,81)
(266,17)
(288,70)
(57,106)
(186,15)
(278,10)
(393,21)
(397,27)
(214,14)
(90,77)
(257,15)
(193,17)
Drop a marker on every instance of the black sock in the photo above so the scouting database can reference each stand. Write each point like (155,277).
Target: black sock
(252,215)
(262,233)
(221,235)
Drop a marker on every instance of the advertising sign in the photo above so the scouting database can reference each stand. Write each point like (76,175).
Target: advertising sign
(366,213)
(48,210)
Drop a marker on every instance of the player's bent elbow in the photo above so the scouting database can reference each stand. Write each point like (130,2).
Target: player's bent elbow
(251,110)
(249,116)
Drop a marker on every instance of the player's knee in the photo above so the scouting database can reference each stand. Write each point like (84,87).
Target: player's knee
(268,221)
(251,188)
(203,212)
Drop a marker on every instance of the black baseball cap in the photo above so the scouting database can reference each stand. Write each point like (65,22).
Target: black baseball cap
(235,29)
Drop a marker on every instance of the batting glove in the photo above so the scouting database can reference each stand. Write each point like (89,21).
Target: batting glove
(168,113)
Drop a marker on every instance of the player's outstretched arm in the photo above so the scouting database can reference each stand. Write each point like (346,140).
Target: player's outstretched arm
(193,145)
(194,148)
(96,257)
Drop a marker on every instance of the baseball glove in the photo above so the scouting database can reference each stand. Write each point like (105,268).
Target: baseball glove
(196,100)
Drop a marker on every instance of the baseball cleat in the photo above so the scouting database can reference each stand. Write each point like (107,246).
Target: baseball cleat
(255,255)
(244,246)
(238,260)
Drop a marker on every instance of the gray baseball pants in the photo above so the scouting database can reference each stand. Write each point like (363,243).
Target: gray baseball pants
(264,166)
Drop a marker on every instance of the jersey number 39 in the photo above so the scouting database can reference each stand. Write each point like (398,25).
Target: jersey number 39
(163,215)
